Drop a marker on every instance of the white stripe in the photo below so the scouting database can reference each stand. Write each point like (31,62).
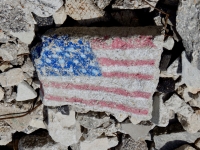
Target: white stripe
(127,84)
(132,54)
(131,69)
(99,95)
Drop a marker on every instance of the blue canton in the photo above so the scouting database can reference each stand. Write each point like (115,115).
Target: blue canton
(60,56)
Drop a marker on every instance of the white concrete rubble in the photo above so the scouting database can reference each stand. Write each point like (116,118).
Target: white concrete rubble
(82,9)
(190,75)
(5,66)
(25,92)
(190,124)
(172,70)
(5,133)
(179,106)
(67,126)
(160,113)
(60,16)
(169,43)
(91,121)
(12,77)
(42,8)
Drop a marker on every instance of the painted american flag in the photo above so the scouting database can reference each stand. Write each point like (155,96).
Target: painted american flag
(100,73)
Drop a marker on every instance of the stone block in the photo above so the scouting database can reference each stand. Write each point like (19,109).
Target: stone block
(100,69)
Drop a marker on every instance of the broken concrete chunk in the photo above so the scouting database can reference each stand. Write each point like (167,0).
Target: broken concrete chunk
(11,77)
(3,37)
(67,126)
(25,92)
(120,117)
(42,8)
(14,18)
(28,67)
(5,66)
(169,43)
(8,52)
(116,74)
(190,75)
(1,93)
(18,124)
(60,16)
(102,3)
(137,132)
(83,9)
(185,147)
(173,70)
(179,106)
(113,141)
(174,140)
(190,124)
(91,121)
(100,144)
(39,141)
(187,25)
(129,144)
(160,114)
(25,36)
(130,4)
(5,133)
(197,143)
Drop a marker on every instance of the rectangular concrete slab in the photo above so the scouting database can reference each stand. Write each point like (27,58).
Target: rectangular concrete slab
(100,69)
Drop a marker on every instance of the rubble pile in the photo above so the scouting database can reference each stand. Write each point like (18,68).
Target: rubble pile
(99,74)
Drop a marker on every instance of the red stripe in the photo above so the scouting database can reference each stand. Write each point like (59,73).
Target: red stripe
(97,88)
(100,104)
(127,75)
(111,62)
(122,44)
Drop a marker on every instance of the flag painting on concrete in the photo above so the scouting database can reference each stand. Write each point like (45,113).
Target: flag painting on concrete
(112,73)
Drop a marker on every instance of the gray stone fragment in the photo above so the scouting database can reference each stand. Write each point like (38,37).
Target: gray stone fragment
(60,16)
(174,140)
(179,106)
(8,52)
(190,124)
(169,43)
(137,132)
(160,114)
(188,26)
(5,133)
(91,120)
(42,8)
(102,3)
(129,144)
(67,126)
(39,141)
